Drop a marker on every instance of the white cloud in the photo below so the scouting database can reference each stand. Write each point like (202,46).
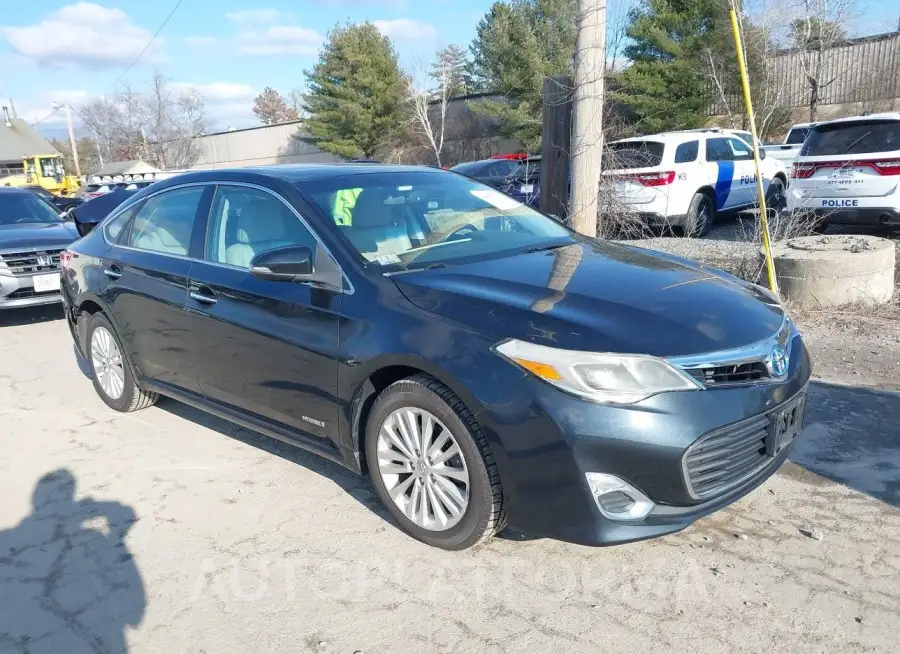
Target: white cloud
(406,29)
(83,34)
(200,41)
(393,4)
(280,39)
(254,16)
(219,92)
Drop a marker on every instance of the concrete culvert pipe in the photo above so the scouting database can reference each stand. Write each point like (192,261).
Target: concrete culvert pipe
(829,271)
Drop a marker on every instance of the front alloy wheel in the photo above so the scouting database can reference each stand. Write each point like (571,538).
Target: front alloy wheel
(423,470)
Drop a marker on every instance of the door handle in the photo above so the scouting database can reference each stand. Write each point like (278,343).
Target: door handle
(204,298)
(112,272)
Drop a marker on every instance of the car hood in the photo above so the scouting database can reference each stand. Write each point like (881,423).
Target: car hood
(27,236)
(602,297)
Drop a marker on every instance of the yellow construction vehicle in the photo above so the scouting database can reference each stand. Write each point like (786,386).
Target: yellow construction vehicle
(44,170)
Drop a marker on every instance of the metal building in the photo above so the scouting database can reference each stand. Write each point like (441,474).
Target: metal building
(255,146)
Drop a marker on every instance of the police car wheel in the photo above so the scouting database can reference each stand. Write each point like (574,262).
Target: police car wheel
(700,216)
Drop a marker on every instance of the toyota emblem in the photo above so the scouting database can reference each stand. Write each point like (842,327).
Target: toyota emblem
(778,361)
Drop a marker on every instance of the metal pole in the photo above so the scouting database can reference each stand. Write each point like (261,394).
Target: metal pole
(72,142)
(587,141)
(760,189)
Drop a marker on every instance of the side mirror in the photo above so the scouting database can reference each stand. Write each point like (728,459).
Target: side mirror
(285,264)
(762,153)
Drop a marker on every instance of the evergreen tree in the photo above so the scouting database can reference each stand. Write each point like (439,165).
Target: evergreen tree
(356,94)
(272,108)
(453,59)
(517,44)
(666,86)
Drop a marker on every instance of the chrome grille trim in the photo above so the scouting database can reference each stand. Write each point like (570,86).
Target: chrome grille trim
(27,263)
(740,366)
(727,457)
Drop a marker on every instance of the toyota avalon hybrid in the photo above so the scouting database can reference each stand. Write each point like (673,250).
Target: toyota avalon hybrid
(484,364)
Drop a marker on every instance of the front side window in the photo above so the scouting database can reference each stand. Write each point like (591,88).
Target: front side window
(421,218)
(165,222)
(740,151)
(247,221)
(23,208)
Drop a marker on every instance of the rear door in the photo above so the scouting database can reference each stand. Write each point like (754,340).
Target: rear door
(147,271)
(269,348)
(852,159)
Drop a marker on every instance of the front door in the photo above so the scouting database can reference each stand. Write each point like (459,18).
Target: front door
(146,275)
(268,348)
(744,185)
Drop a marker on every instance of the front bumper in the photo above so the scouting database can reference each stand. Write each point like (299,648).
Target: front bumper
(550,440)
(18,292)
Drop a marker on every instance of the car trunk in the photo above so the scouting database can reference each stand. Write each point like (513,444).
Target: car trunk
(850,160)
(635,170)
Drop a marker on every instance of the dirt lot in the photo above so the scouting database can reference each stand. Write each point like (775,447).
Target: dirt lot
(170,531)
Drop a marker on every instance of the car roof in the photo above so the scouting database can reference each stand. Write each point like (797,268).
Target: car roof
(664,137)
(13,190)
(888,115)
(300,172)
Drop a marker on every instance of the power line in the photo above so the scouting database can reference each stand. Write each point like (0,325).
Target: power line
(146,47)
(46,117)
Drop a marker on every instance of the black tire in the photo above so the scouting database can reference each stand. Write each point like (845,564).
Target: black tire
(484,516)
(700,216)
(776,200)
(132,398)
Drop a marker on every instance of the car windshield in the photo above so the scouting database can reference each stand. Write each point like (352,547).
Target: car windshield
(22,208)
(425,218)
(856,137)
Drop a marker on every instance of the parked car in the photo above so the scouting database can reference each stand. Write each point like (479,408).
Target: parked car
(32,234)
(96,190)
(493,172)
(793,141)
(458,346)
(60,202)
(686,179)
(849,171)
(91,213)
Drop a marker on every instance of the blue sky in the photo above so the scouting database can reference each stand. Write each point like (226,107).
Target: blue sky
(58,51)
(71,50)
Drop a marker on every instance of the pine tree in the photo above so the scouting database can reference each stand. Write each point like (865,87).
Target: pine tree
(666,86)
(356,93)
(454,60)
(272,108)
(517,44)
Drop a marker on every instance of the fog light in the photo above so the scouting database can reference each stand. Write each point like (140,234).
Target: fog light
(616,499)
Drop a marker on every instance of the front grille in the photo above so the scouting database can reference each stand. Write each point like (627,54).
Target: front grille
(731,374)
(23,293)
(723,458)
(31,263)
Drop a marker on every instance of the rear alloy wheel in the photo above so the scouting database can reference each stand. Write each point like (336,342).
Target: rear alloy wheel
(700,216)
(113,379)
(431,465)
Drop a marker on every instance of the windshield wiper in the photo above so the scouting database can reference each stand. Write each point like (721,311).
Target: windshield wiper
(545,248)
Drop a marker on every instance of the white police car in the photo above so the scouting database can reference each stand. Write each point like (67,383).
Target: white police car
(848,171)
(684,179)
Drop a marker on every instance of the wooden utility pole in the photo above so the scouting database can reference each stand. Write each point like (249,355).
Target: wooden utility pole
(557,138)
(587,140)
(72,142)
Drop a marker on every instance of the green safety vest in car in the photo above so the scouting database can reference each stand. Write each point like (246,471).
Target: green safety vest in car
(344,201)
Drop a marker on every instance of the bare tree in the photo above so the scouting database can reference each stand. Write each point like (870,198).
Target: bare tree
(429,106)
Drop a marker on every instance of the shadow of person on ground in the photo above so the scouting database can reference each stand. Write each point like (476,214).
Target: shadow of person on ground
(67,586)
(852,437)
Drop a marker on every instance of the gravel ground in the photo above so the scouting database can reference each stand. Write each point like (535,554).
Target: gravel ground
(168,531)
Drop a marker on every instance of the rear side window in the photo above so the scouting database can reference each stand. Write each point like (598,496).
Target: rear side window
(165,222)
(633,154)
(687,152)
(114,227)
(858,137)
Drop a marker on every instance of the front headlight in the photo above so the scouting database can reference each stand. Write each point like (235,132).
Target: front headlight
(613,378)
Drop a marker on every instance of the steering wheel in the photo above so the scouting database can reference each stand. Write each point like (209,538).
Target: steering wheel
(459,232)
